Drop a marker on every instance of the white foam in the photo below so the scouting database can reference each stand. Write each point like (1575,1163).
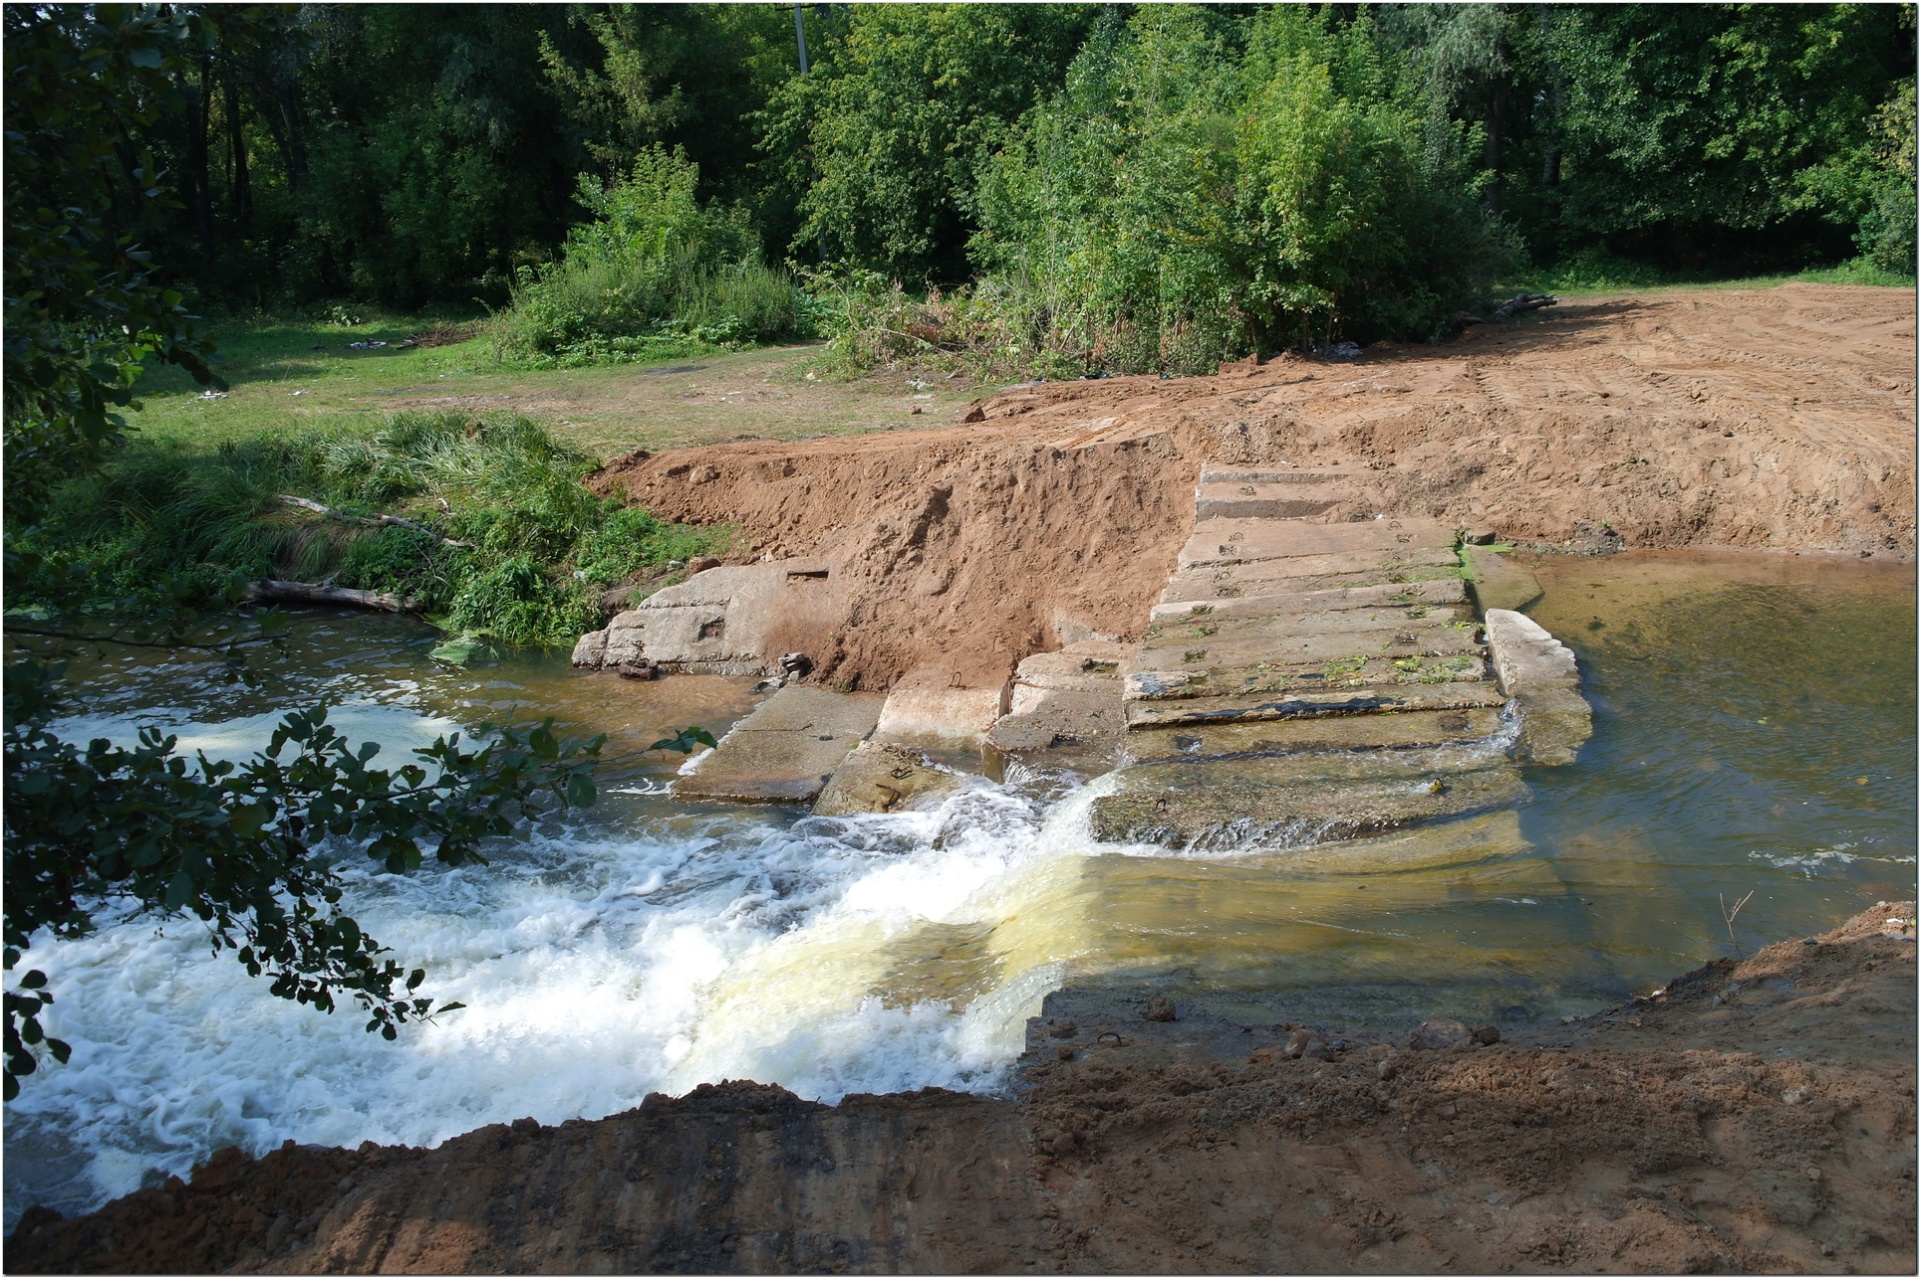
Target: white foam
(596,967)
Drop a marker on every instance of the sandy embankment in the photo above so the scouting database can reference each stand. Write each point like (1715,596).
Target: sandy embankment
(1780,419)
(1755,1117)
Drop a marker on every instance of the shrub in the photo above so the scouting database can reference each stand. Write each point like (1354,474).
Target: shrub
(655,274)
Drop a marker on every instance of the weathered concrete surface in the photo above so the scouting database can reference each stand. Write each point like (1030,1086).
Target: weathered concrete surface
(729,620)
(1449,589)
(1210,583)
(1485,836)
(1283,644)
(1301,736)
(924,707)
(1364,699)
(786,749)
(1230,542)
(884,776)
(1542,677)
(1232,804)
(1258,501)
(1497,581)
(1067,699)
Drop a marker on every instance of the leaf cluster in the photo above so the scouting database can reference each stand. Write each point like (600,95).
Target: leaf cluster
(250,850)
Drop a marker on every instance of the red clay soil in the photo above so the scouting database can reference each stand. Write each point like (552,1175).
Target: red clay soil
(1755,1117)
(1776,419)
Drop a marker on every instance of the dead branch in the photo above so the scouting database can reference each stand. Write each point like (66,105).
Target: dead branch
(304,592)
(374,520)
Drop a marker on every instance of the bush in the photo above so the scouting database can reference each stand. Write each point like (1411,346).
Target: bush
(654,275)
(1184,201)
(543,547)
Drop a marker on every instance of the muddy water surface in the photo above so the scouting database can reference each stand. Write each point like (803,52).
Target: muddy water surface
(1754,732)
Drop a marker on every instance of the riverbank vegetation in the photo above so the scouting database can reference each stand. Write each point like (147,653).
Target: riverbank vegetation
(500,538)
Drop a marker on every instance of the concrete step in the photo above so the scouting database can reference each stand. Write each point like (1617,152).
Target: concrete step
(1304,703)
(1237,541)
(1216,581)
(1295,475)
(1197,743)
(1447,590)
(786,749)
(1260,501)
(1229,804)
(1282,630)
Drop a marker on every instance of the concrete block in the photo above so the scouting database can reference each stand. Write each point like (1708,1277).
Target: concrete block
(1447,591)
(882,776)
(1232,541)
(1498,582)
(1542,677)
(1298,704)
(786,749)
(922,707)
(1385,731)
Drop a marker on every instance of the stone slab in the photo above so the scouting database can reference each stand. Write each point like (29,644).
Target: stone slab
(1449,590)
(1278,475)
(1542,677)
(1212,582)
(1082,666)
(918,712)
(1359,671)
(1052,719)
(1289,628)
(1433,845)
(1233,541)
(786,749)
(1232,805)
(1251,707)
(1387,731)
(1498,582)
(884,776)
(1260,501)
(1385,654)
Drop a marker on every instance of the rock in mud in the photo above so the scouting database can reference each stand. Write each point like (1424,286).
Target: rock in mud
(884,777)
(1439,1032)
(1160,1008)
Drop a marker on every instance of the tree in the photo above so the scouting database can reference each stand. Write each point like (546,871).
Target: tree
(247,850)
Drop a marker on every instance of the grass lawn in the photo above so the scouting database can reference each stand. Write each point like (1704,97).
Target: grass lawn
(294,376)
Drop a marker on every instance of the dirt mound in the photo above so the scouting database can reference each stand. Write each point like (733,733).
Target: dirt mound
(1779,419)
(1752,1116)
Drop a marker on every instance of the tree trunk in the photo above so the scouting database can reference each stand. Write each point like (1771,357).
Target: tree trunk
(303,592)
(1497,128)
(242,194)
(200,172)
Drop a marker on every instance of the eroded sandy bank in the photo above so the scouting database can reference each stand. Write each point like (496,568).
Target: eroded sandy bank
(1779,419)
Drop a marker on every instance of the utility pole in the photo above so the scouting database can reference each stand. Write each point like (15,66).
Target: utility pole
(800,38)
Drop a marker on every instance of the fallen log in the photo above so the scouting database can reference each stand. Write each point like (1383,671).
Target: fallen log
(373,520)
(305,592)
(1523,302)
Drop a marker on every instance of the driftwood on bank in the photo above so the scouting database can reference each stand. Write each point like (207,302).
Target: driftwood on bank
(1515,305)
(305,592)
(374,520)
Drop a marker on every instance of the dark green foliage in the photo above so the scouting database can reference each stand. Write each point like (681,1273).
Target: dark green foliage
(655,274)
(83,309)
(248,849)
(904,103)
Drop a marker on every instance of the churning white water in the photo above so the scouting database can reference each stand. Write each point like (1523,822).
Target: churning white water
(598,963)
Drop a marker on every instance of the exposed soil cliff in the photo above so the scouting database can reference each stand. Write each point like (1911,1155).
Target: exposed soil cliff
(1756,1116)
(1778,419)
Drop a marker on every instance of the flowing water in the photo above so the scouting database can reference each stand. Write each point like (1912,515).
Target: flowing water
(1754,731)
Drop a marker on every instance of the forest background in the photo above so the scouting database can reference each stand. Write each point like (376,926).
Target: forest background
(1086,187)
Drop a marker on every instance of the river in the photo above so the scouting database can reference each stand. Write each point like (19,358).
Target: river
(1754,732)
